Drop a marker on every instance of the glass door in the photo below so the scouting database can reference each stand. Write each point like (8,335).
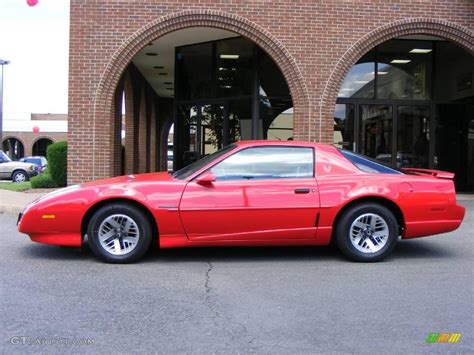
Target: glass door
(375,136)
(413,136)
(454,149)
(344,126)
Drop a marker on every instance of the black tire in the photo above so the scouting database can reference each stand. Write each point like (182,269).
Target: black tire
(20,176)
(140,220)
(365,212)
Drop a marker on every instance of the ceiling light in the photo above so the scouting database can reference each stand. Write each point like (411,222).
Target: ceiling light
(347,89)
(400,61)
(382,72)
(229,56)
(420,50)
(361,81)
(151,54)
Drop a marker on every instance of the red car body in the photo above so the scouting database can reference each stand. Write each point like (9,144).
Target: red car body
(188,212)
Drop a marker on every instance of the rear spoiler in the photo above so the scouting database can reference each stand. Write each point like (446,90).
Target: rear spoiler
(436,173)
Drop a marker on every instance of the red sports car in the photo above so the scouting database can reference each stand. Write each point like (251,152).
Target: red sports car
(249,194)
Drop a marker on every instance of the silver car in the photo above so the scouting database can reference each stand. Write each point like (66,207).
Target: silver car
(16,170)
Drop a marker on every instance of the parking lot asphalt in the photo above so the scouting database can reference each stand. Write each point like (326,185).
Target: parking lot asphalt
(237,300)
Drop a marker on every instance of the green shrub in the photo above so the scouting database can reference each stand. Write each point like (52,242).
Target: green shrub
(42,181)
(57,162)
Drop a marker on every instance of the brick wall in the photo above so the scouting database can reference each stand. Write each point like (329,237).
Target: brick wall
(314,43)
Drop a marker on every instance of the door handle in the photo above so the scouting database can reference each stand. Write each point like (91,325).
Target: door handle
(302,191)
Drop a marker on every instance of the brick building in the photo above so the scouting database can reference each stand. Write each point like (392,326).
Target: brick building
(32,137)
(391,79)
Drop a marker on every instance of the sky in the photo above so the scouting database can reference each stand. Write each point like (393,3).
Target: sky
(36,42)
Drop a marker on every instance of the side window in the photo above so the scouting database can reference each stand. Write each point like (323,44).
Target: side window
(267,163)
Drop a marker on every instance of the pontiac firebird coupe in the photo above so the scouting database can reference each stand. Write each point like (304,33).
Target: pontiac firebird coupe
(251,194)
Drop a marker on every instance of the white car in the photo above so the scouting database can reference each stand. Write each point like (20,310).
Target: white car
(15,170)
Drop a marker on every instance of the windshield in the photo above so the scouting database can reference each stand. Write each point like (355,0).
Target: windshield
(199,164)
(3,157)
(369,165)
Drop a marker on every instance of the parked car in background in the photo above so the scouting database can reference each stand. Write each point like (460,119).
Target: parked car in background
(169,158)
(39,161)
(16,171)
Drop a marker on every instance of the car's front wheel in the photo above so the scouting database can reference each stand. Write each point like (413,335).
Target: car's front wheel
(19,176)
(119,233)
(367,232)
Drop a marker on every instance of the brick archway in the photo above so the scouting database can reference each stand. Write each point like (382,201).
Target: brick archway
(21,141)
(412,26)
(104,96)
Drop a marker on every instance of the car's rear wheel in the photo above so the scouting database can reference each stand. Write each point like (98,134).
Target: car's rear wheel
(367,232)
(119,233)
(19,176)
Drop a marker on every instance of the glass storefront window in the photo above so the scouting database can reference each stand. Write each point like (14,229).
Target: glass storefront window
(359,82)
(375,131)
(234,62)
(281,128)
(195,71)
(404,70)
(344,120)
(422,111)
(227,90)
(272,83)
(413,136)
(270,109)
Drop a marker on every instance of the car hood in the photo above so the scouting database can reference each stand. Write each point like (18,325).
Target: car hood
(134,178)
(17,164)
(119,183)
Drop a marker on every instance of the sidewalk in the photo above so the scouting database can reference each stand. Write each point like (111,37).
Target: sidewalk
(14,202)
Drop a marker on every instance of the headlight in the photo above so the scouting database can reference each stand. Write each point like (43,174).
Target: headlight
(32,168)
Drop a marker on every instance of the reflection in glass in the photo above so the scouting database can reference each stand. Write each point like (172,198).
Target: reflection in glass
(234,62)
(195,71)
(228,90)
(344,126)
(413,135)
(454,142)
(359,82)
(267,163)
(406,75)
(375,133)
(270,110)
(281,128)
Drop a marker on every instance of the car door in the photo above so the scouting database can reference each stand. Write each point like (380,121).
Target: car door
(259,193)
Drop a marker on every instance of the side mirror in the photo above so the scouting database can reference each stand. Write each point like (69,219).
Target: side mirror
(206,178)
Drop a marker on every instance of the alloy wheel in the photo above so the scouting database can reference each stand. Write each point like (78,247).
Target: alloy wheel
(118,234)
(369,233)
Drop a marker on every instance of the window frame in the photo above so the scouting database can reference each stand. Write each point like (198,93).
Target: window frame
(264,146)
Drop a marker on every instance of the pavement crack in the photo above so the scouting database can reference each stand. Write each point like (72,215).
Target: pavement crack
(222,321)
(208,279)
(208,288)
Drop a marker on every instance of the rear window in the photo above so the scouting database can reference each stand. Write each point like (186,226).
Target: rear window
(367,164)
